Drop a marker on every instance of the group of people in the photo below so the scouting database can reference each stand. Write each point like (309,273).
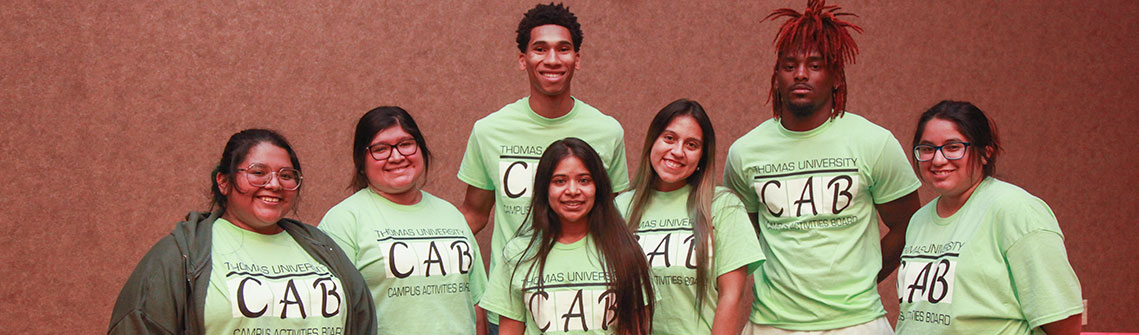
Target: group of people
(578,249)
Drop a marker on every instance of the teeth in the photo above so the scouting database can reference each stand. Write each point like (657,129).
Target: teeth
(270,199)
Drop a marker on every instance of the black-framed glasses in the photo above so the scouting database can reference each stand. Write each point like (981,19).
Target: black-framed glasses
(951,151)
(260,175)
(382,151)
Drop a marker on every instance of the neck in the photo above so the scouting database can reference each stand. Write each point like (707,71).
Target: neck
(805,121)
(949,205)
(268,230)
(408,198)
(551,106)
(573,231)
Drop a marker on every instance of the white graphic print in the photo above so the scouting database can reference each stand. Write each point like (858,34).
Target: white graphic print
(426,256)
(571,310)
(926,280)
(801,194)
(517,175)
(303,295)
(668,247)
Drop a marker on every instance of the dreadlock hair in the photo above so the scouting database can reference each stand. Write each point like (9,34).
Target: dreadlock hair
(819,28)
(628,271)
(699,198)
(542,15)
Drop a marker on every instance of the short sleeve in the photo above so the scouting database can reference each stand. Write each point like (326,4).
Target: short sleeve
(477,276)
(340,224)
(499,297)
(618,168)
(735,242)
(1045,283)
(473,170)
(892,175)
(734,180)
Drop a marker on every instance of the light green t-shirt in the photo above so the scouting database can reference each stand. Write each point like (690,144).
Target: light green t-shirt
(814,192)
(268,284)
(996,266)
(573,298)
(421,262)
(504,148)
(665,235)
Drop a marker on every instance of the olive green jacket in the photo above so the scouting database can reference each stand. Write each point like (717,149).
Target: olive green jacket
(166,293)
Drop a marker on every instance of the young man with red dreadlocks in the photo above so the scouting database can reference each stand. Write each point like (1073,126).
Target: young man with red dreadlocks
(814,179)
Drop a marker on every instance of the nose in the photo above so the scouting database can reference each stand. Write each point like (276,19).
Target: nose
(677,150)
(800,72)
(573,188)
(939,158)
(551,58)
(274,182)
(396,156)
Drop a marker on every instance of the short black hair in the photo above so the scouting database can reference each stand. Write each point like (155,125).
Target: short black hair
(542,15)
(234,153)
(978,129)
(372,123)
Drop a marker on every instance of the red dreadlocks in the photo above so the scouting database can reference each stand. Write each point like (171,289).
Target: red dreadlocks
(817,28)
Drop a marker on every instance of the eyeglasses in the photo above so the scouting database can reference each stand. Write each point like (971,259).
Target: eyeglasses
(260,175)
(382,151)
(951,151)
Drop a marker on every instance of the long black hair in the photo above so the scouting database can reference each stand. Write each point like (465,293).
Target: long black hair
(629,277)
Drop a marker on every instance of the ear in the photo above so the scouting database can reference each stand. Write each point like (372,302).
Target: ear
(223,183)
(522,61)
(985,157)
(577,64)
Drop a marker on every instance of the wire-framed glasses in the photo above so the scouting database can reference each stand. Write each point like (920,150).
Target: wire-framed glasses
(259,175)
(951,151)
(382,151)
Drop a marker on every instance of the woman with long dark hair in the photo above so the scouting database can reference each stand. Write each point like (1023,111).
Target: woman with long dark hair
(680,218)
(985,256)
(415,250)
(244,268)
(574,267)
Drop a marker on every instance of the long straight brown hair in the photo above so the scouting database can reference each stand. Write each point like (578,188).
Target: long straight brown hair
(629,277)
(699,199)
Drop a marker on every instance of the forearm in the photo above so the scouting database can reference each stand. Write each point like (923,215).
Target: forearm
(729,313)
(1069,326)
(476,208)
(892,245)
(480,321)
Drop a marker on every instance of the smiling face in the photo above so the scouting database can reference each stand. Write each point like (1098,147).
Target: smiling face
(572,191)
(256,208)
(952,179)
(397,177)
(676,153)
(804,83)
(550,60)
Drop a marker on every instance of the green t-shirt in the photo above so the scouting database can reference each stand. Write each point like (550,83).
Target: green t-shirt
(266,284)
(504,148)
(815,193)
(573,298)
(665,235)
(996,266)
(421,261)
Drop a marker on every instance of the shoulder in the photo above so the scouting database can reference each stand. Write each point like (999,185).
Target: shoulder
(857,123)
(440,206)
(511,111)
(596,117)
(350,204)
(765,129)
(624,198)
(516,248)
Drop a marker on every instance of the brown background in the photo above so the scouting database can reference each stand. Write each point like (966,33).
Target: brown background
(114,112)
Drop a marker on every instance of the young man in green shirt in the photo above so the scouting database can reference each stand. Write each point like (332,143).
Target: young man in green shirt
(815,179)
(504,147)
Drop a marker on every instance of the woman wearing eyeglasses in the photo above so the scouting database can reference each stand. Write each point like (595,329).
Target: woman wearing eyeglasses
(415,250)
(245,268)
(984,257)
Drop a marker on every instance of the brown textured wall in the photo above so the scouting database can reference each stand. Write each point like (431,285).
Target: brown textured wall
(115,111)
